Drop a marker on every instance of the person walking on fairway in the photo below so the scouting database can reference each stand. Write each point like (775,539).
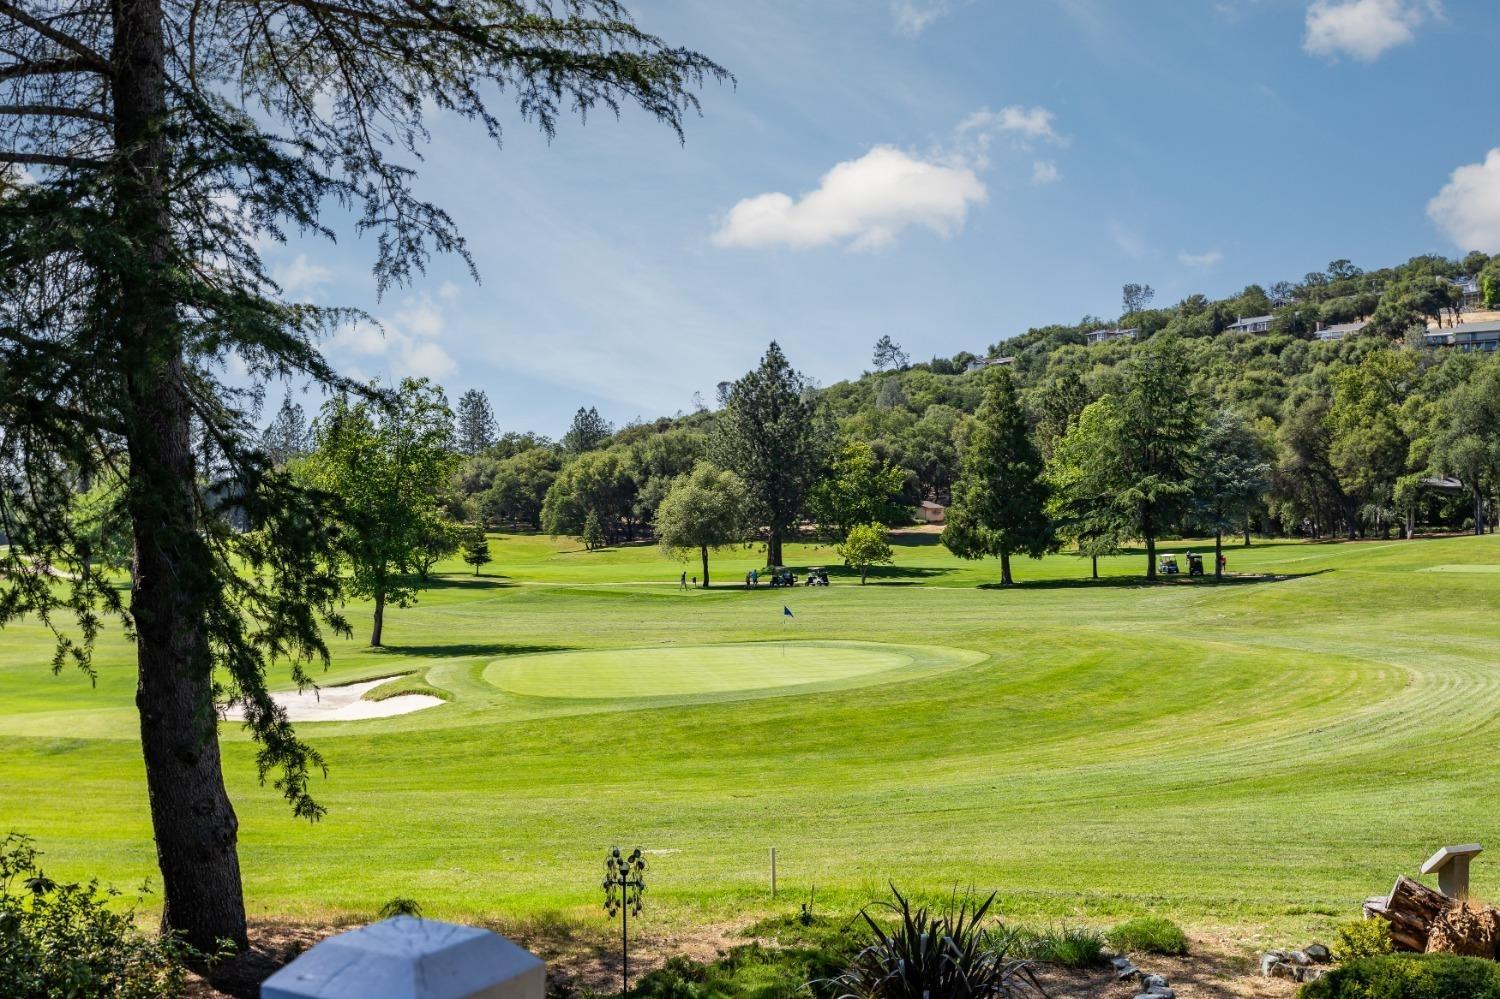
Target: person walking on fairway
(682,583)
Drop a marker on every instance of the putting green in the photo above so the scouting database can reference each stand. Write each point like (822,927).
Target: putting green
(686,671)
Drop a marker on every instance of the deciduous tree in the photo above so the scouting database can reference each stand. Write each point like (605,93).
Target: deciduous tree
(859,488)
(866,546)
(703,510)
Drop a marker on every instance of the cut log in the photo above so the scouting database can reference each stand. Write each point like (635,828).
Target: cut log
(1467,929)
(1411,911)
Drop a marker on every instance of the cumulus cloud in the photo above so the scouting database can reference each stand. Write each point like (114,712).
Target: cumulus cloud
(1468,206)
(1365,29)
(1044,172)
(1208,258)
(863,204)
(301,276)
(406,343)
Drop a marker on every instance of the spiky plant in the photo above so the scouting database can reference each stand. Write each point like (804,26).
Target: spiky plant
(952,955)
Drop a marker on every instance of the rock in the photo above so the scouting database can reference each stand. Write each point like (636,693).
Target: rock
(1318,953)
(1282,970)
(1120,962)
(1269,961)
(1149,982)
(1309,973)
(1126,973)
(1300,957)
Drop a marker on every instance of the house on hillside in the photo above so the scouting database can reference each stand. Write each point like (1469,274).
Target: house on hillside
(1252,324)
(1339,330)
(979,363)
(929,512)
(1105,336)
(1469,288)
(1483,337)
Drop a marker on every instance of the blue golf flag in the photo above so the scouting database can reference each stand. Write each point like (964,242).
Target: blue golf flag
(787,611)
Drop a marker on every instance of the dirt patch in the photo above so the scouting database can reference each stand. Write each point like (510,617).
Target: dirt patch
(580,959)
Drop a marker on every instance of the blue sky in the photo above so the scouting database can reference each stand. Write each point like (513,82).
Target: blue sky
(949,172)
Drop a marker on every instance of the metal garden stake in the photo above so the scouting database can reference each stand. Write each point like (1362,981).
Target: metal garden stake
(623,885)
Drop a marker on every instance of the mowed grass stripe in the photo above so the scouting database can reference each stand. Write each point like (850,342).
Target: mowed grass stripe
(1264,752)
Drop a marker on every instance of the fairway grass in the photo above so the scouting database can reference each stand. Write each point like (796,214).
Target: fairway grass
(1254,757)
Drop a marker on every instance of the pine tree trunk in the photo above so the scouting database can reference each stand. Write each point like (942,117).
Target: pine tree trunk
(1150,559)
(1218,555)
(193,821)
(1096,566)
(773,549)
(1247,532)
(1005,579)
(379,626)
(704,550)
(1478,513)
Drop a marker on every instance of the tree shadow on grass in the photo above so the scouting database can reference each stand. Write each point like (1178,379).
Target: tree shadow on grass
(1141,583)
(466,583)
(462,650)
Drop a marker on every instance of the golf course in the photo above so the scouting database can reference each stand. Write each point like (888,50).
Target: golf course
(1252,756)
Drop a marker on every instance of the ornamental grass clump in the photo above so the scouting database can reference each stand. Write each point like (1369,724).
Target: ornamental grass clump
(952,955)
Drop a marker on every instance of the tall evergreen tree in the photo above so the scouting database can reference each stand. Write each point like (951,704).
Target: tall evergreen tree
(166,142)
(1156,441)
(588,431)
(773,436)
(288,436)
(477,547)
(475,429)
(1000,500)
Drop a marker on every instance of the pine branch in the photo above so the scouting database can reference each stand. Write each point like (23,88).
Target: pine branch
(55,111)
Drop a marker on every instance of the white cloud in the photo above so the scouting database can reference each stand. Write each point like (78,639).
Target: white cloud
(912,17)
(1468,206)
(1044,172)
(1365,29)
(1208,258)
(406,343)
(863,204)
(301,276)
(1025,123)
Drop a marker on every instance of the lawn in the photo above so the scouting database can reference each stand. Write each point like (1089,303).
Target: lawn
(1256,756)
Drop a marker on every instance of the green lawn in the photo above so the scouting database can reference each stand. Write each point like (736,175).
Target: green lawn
(1259,754)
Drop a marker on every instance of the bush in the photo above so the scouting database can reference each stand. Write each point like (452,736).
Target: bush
(1149,935)
(1362,938)
(1066,946)
(64,940)
(1409,976)
(806,956)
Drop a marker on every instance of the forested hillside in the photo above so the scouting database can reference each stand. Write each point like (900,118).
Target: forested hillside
(1343,410)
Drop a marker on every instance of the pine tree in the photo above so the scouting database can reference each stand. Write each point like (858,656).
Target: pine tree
(593,532)
(166,143)
(1000,500)
(475,429)
(773,436)
(477,548)
(588,431)
(288,436)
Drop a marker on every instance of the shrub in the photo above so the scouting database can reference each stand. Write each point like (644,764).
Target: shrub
(1362,938)
(1149,935)
(926,956)
(1409,976)
(1066,946)
(64,940)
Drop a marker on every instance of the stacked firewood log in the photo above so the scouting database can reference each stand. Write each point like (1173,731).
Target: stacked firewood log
(1427,921)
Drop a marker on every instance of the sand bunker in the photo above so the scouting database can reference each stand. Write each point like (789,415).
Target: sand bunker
(344,703)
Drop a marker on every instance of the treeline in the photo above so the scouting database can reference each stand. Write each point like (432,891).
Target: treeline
(1188,427)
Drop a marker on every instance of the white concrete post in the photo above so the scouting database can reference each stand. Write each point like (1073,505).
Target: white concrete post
(409,958)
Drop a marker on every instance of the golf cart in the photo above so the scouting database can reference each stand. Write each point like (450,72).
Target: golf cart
(1166,565)
(782,576)
(817,576)
(1195,564)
